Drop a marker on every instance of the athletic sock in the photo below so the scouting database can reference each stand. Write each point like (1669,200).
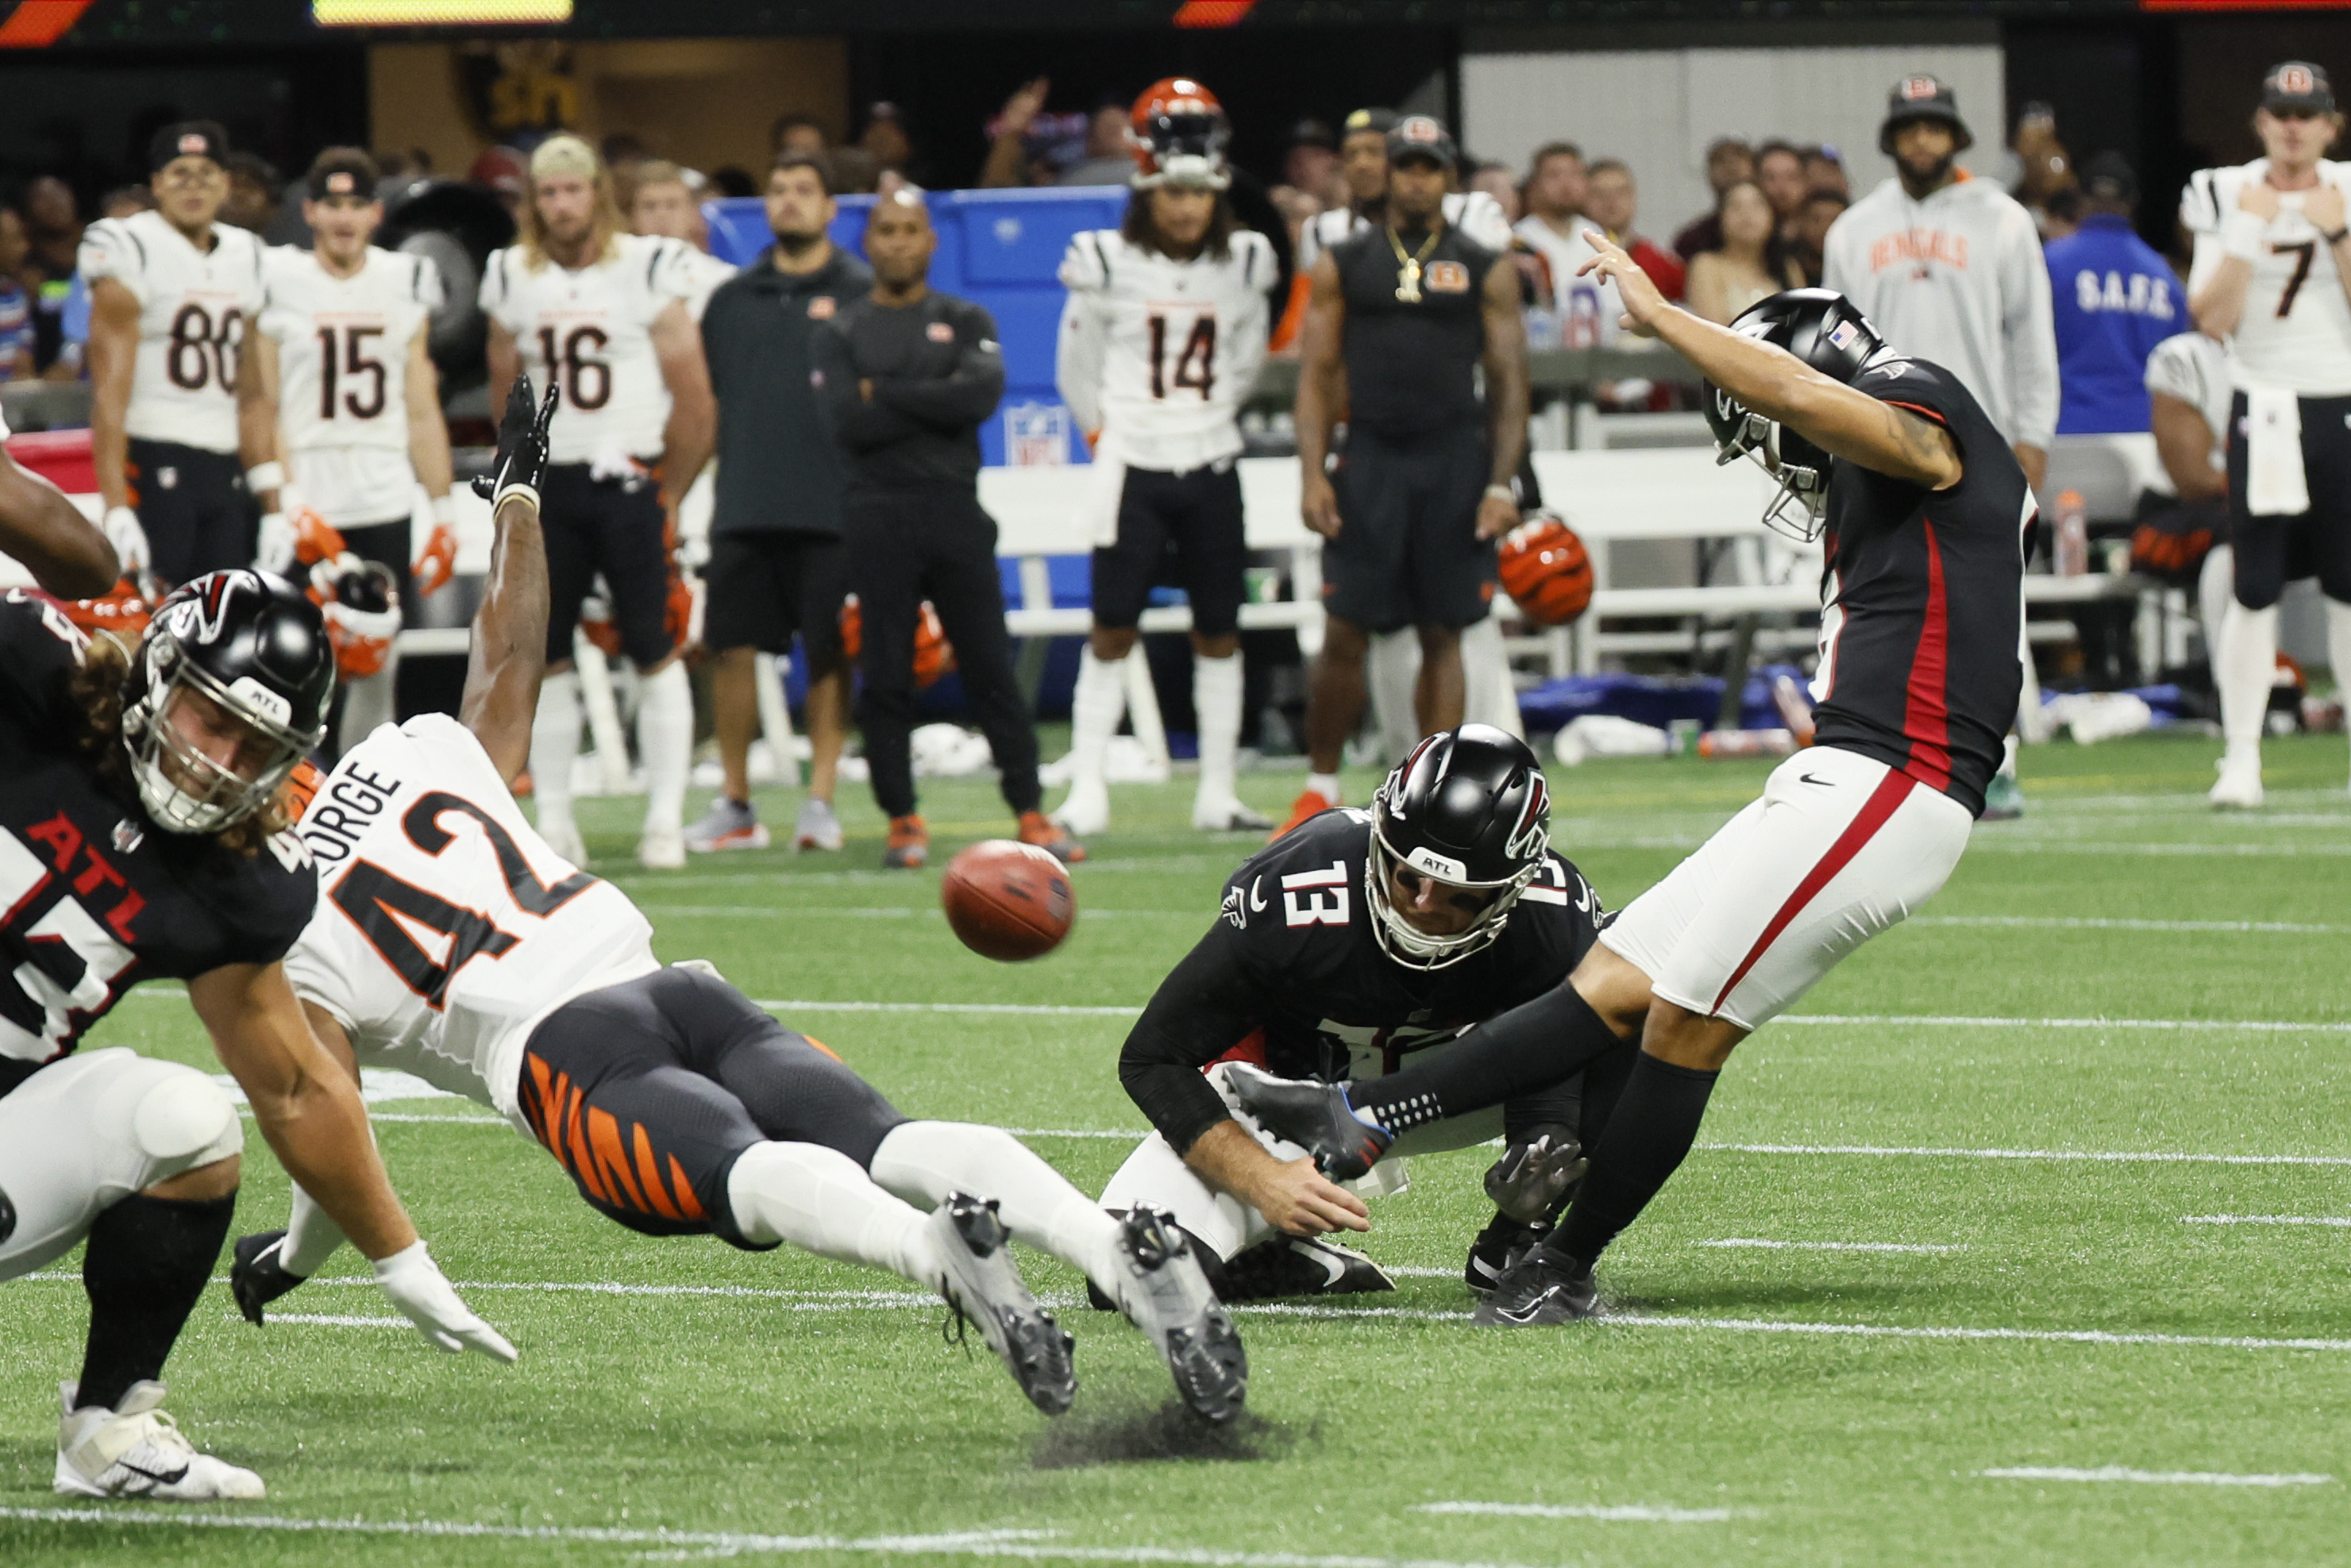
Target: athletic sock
(1095,712)
(311,1238)
(2338,645)
(554,746)
(1654,1123)
(928,1160)
(367,706)
(822,1201)
(1325,785)
(1533,1046)
(666,741)
(148,1261)
(2245,669)
(1217,700)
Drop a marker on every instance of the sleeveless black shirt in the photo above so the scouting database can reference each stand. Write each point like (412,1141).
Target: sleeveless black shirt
(1412,365)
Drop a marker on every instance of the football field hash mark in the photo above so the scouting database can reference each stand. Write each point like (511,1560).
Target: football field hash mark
(2331,1221)
(1830,1246)
(1635,1514)
(2151,1478)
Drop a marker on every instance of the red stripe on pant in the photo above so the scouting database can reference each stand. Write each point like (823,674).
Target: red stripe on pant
(1875,812)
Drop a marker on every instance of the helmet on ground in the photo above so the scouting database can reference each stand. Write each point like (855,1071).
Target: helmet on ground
(359,601)
(241,650)
(1826,332)
(1468,808)
(1178,131)
(1545,570)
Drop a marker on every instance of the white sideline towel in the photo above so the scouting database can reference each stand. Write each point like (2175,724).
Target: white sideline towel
(2275,484)
(1105,487)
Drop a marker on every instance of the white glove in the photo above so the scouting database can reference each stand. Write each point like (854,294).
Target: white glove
(424,1296)
(130,541)
(275,552)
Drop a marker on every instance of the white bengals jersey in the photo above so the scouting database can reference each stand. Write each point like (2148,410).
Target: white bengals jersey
(193,306)
(1158,353)
(446,929)
(343,345)
(2296,331)
(704,272)
(1474,213)
(2194,368)
(592,330)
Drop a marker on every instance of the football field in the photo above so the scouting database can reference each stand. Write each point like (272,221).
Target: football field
(2024,1238)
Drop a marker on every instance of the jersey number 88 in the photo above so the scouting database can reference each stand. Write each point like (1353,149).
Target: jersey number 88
(198,354)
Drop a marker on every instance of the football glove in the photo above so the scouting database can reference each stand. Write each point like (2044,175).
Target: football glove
(424,1296)
(1534,1175)
(122,530)
(522,446)
(255,1278)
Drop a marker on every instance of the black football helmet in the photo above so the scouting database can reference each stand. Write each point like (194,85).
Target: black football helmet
(252,646)
(1828,332)
(1469,807)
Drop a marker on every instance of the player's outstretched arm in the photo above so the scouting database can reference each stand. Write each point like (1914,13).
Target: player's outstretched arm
(1848,424)
(64,550)
(507,652)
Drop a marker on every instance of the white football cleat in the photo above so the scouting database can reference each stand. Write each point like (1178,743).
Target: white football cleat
(1228,815)
(983,1286)
(662,849)
(563,838)
(2240,779)
(137,1450)
(1163,1292)
(1086,812)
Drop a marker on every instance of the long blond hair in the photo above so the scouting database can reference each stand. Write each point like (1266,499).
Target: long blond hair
(566,153)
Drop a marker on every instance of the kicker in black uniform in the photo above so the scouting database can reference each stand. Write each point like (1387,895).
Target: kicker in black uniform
(1349,946)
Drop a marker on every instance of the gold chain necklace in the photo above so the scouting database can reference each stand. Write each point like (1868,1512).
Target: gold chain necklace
(1408,267)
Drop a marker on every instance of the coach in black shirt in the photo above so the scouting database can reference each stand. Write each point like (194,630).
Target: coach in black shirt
(908,375)
(777,564)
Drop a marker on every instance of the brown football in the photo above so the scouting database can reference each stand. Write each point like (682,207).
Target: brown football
(1008,901)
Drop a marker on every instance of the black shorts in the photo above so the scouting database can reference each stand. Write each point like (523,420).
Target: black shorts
(763,587)
(2272,551)
(1179,528)
(1409,552)
(616,527)
(648,1092)
(193,504)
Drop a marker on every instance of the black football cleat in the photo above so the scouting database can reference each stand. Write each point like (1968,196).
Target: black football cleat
(983,1287)
(1313,1115)
(1282,1266)
(255,1278)
(1497,1249)
(1165,1294)
(1543,1288)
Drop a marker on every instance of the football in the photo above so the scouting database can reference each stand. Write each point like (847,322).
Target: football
(1008,902)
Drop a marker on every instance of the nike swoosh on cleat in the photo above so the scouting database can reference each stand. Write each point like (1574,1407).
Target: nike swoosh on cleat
(174,1478)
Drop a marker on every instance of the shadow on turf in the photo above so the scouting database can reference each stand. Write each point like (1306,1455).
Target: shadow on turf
(1170,1432)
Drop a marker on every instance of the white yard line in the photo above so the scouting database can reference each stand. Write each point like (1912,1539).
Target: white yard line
(1030,1545)
(1029,1009)
(330,1320)
(1945,1020)
(2153,1477)
(2085,923)
(1980,844)
(2329,1220)
(1829,1246)
(1638,1513)
(2094,1156)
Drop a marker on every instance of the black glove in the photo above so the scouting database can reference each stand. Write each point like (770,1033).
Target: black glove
(254,1278)
(522,444)
(1535,1172)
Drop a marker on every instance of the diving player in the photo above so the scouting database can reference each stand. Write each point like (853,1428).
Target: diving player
(1925,516)
(1352,945)
(341,408)
(1161,340)
(677,1104)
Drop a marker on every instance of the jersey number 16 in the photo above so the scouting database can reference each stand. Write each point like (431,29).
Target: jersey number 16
(586,382)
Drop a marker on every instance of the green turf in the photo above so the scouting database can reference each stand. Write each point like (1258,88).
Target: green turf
(829,1418)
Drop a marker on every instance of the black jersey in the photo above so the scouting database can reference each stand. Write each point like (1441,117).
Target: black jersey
(936,373)
(1412,364)
(1291,976)
(93,897)
(1922,597)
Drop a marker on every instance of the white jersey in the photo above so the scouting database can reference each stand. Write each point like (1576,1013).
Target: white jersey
(446,929)
(1474,213)
(342,377)
(2194,368)
(704,272)
(1157,354)
(593,329)
(193,310)
(2296,329)
(1588,306)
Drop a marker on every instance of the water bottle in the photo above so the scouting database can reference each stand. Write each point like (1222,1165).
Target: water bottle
(2070,550)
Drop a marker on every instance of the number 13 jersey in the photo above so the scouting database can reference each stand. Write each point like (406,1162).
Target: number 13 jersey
(592,330)
(447,928)
(193,310)
(1158,353)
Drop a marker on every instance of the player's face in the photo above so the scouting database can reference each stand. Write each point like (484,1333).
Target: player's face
(798,208)
(190,191)
(2295,141)
(208,733)
(666,209)
(1559,186)
(1746,216)
(567,206)
(1435,908)
(1924,148)
(899,241)
(1182,214)
(343,224)
(1416,189)
(1608,198)
(1363,160)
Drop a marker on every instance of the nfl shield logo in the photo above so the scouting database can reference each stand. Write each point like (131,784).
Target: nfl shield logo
(1035,435)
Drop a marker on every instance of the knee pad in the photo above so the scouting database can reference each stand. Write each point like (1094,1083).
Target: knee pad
(184,1120)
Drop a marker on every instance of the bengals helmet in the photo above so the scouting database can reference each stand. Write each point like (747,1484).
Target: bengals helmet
(360,603)
(1545,570)
(1178,131)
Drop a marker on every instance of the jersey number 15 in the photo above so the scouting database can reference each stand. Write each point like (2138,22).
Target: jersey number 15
(342,352)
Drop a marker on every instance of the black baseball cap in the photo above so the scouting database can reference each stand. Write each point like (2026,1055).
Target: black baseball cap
(1919,96)
(341,171)
(1379,122)
(2297,86)
(188,139)
(2108,177)
(1422,136)
(1312,132)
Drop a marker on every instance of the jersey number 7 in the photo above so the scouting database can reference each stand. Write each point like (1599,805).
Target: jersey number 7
(377,901)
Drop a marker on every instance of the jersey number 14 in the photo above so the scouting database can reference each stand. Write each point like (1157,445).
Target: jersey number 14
(1194,366)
